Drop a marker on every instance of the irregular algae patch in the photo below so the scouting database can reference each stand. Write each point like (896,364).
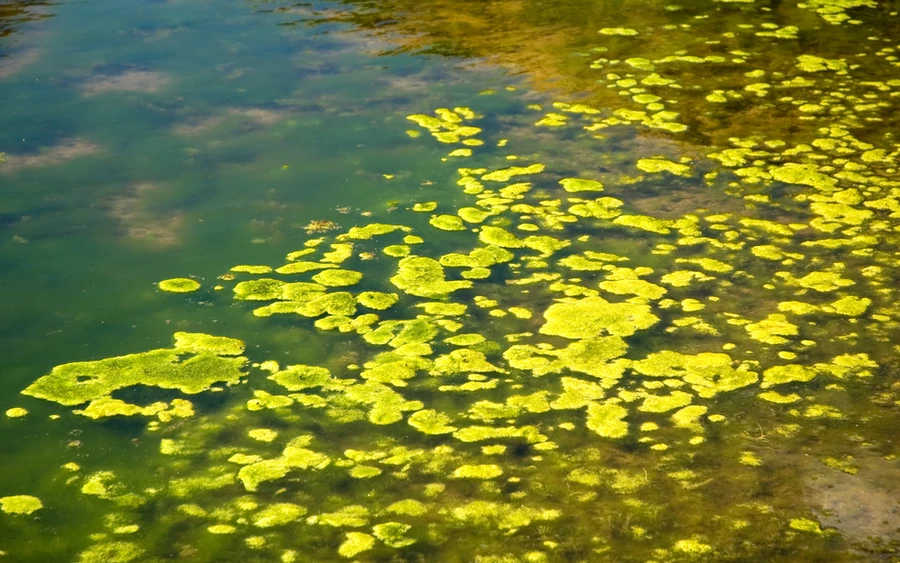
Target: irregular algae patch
(593,316)
(192,367)
(20,504)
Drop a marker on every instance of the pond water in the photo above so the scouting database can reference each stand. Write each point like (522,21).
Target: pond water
(425,281)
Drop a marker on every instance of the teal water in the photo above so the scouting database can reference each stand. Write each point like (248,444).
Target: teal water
(694,359)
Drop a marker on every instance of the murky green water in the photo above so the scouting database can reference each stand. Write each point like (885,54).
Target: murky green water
(495,282)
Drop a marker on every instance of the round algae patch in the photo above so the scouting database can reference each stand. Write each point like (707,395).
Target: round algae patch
(179,285)
(16,412)
(20,504)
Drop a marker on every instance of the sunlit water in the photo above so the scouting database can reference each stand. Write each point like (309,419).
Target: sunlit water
(496,282)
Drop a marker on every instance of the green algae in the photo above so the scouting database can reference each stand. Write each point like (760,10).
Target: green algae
(79,382)
(179,285)
(300,377)
(356,543)
(607,420)
(447,223)
(594,316)
(431,422)
(501,515)
(20,504)
(505,174)
(301,267)
(397,250)
(377,300)
(657,165)
(111,552)
(665,403)
(248,269)
(485,471)
(465,339)
(278,514)
(772,330)
(805,525)
(393,534)
(644,223)
(407,507)
(291,459)
(425,277)
(575,185)
(199,343)
(369,231)
(791,373)
(622,31)
(338,278)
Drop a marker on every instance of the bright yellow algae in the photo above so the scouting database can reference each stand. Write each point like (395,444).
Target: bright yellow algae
(607,419)
(505,174)
(356,543)
(393,534)
(337,277)
(656,165)
(425,277)
(431,422)
(575,185)
(594,316)
(247,269)
(486,471)
(79,382)
(20,504)
(179,285)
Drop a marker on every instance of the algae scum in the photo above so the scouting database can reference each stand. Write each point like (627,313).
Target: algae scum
(643,313)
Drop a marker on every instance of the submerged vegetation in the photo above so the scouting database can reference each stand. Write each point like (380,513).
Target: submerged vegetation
(555,361)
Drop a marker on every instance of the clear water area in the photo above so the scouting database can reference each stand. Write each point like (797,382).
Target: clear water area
(675,338)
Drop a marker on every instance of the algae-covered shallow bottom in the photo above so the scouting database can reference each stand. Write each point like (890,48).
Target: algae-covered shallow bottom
(438,314)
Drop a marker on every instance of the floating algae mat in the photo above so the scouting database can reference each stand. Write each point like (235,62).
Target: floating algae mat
(640,306)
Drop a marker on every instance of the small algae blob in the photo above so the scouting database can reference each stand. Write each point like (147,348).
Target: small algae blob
(431,422)
(179,285)
(393,534)
(805,525)
(489,471)
(299,377)
(623,31)
(356,543)
(337,277)
(653,165)
(278,514)
(20,504)
(575,185)
(198,343)
(447,223)
(407,507)
(377,300)
(16,412)
(607,419)
(114,552)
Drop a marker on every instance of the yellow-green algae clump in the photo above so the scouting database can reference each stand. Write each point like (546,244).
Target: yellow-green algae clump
(20,504)
(179,285)
(195,364)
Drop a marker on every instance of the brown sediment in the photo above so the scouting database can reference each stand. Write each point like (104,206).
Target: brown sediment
(139,223)
(66,150)
(863,507)
(128,81)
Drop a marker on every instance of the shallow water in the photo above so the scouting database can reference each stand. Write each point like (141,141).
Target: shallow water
(675,338)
